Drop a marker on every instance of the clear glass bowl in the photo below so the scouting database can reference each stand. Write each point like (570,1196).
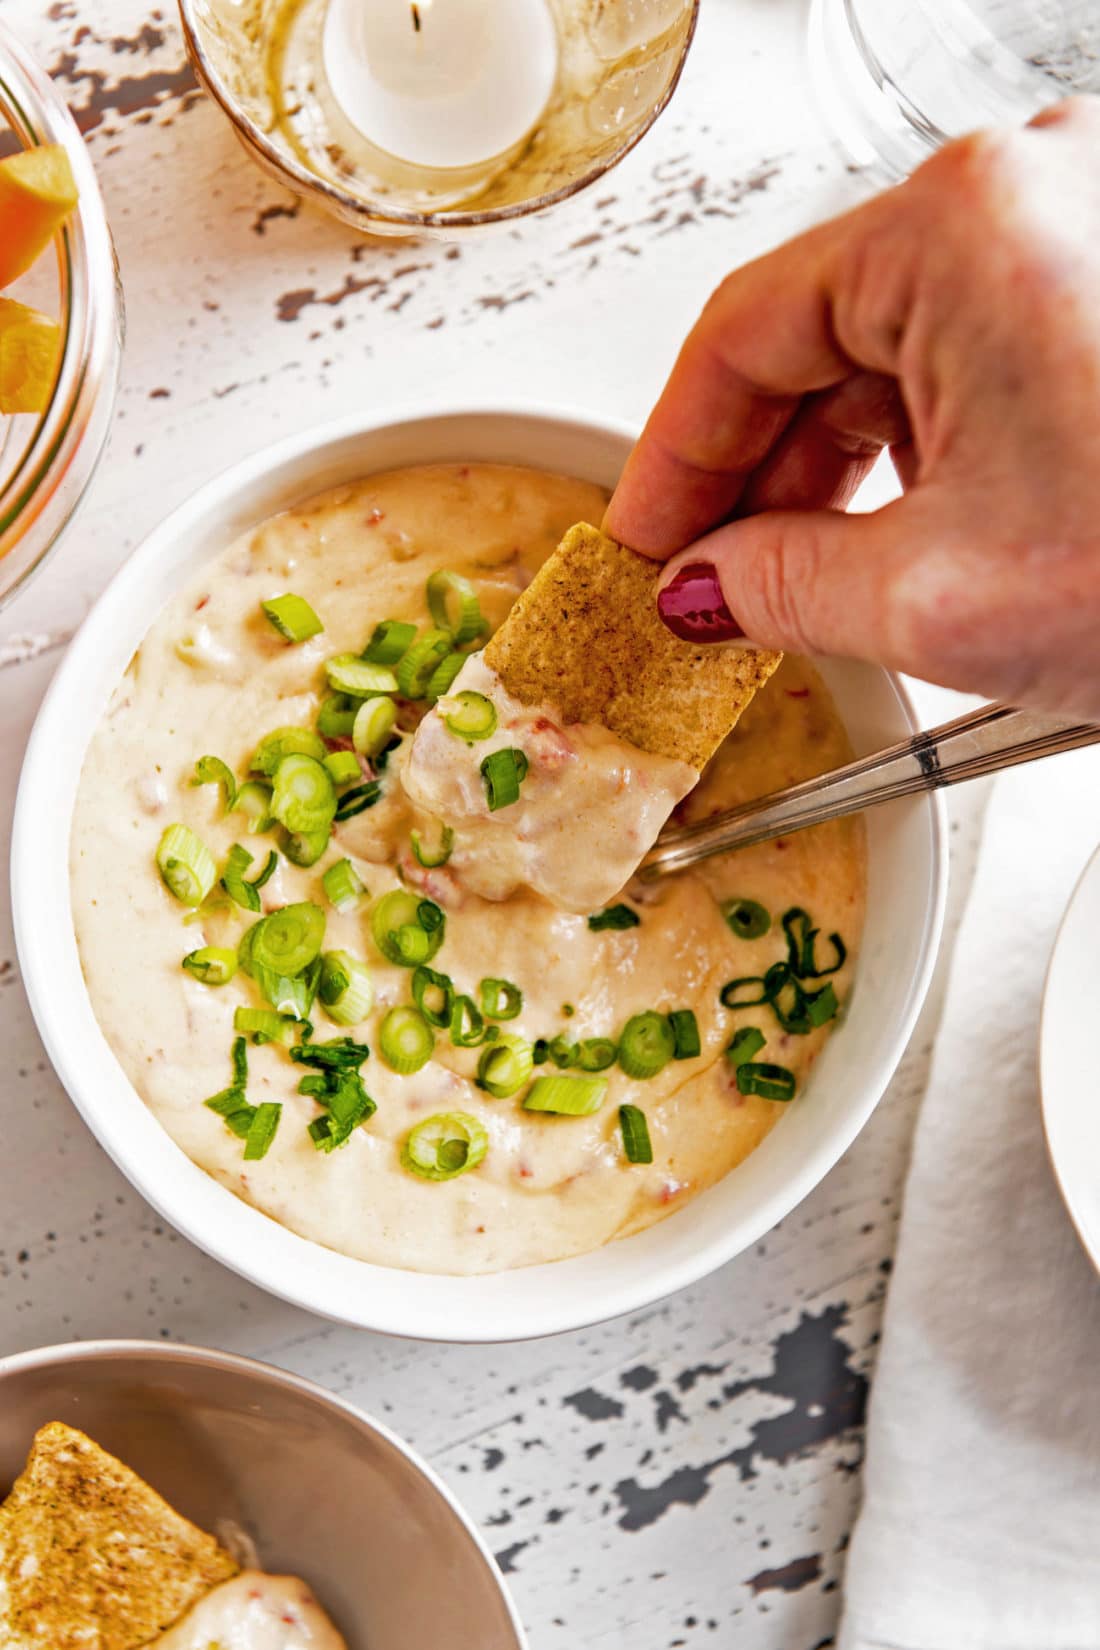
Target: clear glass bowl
(47,460)
(261,60)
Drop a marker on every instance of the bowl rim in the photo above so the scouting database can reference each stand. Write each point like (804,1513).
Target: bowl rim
(352,208)
(212,1217)
(106,1350)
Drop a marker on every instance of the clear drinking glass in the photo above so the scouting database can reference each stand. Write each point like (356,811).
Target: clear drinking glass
(898,78)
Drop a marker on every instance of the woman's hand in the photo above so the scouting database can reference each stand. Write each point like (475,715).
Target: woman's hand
(955,320)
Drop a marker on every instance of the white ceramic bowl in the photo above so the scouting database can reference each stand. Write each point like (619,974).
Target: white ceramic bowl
(905,908)
(324,1492)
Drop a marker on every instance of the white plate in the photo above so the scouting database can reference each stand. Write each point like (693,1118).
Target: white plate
(906,888)
(1068,1077)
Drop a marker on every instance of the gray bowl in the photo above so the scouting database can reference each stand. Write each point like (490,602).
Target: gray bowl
(323,1491)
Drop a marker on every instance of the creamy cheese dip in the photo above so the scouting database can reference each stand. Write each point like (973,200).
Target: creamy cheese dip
(254,1612)
(212,677)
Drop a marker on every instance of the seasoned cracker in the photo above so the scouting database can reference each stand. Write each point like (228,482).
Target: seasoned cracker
(585,637)
(91,1558)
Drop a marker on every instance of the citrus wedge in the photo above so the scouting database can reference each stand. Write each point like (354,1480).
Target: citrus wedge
(37,193)
(30,343)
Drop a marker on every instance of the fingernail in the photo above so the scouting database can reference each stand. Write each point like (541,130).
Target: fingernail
(694,608)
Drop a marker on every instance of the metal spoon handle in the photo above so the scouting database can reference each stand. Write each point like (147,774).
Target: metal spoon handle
(983,742)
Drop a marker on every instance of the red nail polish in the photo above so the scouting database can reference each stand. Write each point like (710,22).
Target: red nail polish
(693,606)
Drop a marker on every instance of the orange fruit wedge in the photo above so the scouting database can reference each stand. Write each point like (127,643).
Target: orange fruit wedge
(30,345)
(37,193)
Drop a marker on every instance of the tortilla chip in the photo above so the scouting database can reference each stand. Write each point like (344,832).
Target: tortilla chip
(90,1557)
(585,637)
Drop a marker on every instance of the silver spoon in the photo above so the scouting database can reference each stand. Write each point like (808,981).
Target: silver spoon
(983,742)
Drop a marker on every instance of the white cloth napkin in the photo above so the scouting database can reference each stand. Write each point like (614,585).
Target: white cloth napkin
(980,1527)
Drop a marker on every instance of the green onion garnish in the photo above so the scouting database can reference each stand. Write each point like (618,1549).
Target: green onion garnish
(540,1050)
(304,798)
(801,945)
(289,939)
(358,801)
(463,620)
(211,770)
(246,894)
(822,1005)
(343,887)
(305,847)
(239,1056)
(503,772)
(261,1131)
(286,742)
(500,999)
(566,1096)
(347,1105)
(467,1024)
(345,988)
(504,1067)
(186,864)
(419,664)
(471,716)
(596,1054)
(358,678)
(405,929)
(288,994)
(264,1024)
(615,917)
(234,1110)
(685,1032)
(373,724)
(342,767)
(430,858)
(340,1054)
(434,995)
(254,801)
(770,1082)
(336,717)
(406,1040)
(733,993)
(563,1053)
(443,676)
(211,964)
(746,918)
(446,1145)
(294,619)
(647,1044)
(743,1045)
(390,641)
(636,1142)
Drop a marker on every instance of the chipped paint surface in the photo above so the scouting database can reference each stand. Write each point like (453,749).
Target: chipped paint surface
(686,1477)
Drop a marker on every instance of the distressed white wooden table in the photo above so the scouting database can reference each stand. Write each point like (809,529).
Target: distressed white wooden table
(684,1478)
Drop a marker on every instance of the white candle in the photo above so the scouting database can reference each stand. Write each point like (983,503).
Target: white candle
(441,83)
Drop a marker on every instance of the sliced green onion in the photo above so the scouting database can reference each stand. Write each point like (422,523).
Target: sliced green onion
(647,1044)
(211,770)
(286,742)
(444,1146)
(261,1131)
(405,929)
(540,1049)
(471,716)
(211,964)
(263,1023)
(336,717)
(562,1052)
(246,894)
(430,858)
(340,1054)
(406,1040)
(186,864)
(505,1067)
(442,678)
(568,1010)
(437,1011)
(305,847)
(345,988)
(304,798)
(801,946)
(380,762)
(342,767)
(636,1142)
(234,1110)
(503,772)
(254,800)
(464,620)
(597,1054)
(746,918)
(358,677)
(467,1024)
(732,993)
(390,642)
(343,886)
(289,939)
(615,917)
(239,1056)
(293,618)
(685,1034)
(288,994)
(743,1045)
(347,1105)
(358,801)
(770,1082)
(822,1005)
(419,664)
(500,999)
(373,724)
(566,1096)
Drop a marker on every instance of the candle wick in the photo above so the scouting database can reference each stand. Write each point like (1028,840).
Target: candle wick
(415,9)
